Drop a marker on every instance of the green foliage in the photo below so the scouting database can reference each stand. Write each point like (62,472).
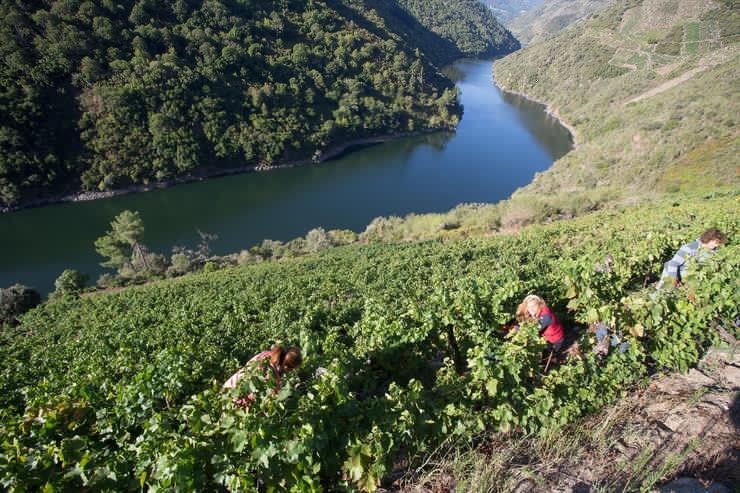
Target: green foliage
(15,301)
(122,242)
(70,281)
(467,23)
(132,260)
(402,350)
(143,92)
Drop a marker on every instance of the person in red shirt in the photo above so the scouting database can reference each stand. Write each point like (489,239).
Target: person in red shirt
(273,363)
(533,308)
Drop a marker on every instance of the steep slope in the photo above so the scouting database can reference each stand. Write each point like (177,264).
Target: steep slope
(506,10)
(651,90)
(467,23)
(551,17)
(403,351)
(676,426)
(103,96)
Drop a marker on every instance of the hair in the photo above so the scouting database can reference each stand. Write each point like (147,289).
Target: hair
(713,234)
(285,359)
(522,313)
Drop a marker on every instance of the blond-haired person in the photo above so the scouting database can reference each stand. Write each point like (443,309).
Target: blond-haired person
(533,308)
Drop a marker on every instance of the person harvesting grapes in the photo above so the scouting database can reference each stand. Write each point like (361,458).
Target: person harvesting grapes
(674,271)
(273,364)
(533,308)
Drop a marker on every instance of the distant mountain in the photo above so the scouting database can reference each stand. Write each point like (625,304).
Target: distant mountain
(551,17)
(506,10)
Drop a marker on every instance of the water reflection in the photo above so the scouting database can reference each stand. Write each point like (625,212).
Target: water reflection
(501,142)
(546,128)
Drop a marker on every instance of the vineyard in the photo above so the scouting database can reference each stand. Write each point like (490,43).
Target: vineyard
(402,347)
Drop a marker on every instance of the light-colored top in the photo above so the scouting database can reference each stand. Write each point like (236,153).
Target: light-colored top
(676,268)
(234,379)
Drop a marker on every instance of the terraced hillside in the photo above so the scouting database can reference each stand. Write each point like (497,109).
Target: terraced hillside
(651,90)
(402,348)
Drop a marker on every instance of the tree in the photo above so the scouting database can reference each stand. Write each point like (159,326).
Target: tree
(122,244)
(15,301)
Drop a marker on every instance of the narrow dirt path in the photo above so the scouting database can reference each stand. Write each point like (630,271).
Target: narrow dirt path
(670,84)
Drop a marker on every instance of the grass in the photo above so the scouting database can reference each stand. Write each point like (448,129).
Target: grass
(692,37)
(683,136)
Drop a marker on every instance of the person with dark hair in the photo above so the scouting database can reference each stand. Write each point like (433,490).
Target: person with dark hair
(274,363)
(674,270)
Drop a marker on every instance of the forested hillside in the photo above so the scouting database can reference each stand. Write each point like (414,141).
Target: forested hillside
(467,23)
(551,17)
(651,89)
(97,96)
(403,351)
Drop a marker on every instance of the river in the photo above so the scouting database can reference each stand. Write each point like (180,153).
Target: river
(501,142)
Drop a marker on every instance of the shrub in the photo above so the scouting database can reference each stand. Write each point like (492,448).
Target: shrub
(15,301)
(268,249)
(70,281)
(317,239)
(211,266)
(109,280)
(341,237)
(383,228)
(246,257)
(179,264)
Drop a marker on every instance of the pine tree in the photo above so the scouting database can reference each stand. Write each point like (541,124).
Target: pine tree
(122,244)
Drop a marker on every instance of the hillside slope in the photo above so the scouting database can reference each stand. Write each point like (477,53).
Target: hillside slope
(551,17)
(675,434)
(651,90)
(467,23)
(506,10)
(402,351)
(99,97)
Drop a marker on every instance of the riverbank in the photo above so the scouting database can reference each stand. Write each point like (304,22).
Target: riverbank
(333,152)
(499,145)
(550,110)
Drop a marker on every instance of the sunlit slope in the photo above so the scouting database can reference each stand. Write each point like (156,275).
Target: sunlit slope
(652,90)
(506,10)
(122,391)
(551,17)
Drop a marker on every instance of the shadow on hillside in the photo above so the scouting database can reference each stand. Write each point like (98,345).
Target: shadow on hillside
(439,50)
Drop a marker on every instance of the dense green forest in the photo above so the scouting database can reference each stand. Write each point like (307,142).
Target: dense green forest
(467,23)
(101,95)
